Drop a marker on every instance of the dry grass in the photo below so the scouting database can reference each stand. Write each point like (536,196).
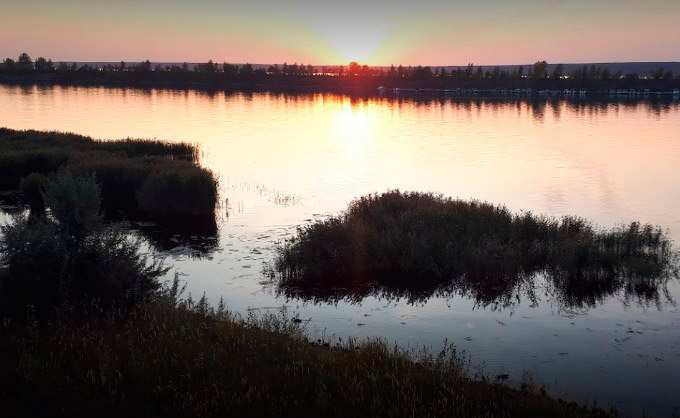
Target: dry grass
(188,360)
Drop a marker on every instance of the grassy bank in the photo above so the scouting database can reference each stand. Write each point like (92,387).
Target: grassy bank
(138,177)
(416,242)
(185,360)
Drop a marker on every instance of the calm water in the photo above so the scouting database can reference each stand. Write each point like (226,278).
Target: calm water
(286,160)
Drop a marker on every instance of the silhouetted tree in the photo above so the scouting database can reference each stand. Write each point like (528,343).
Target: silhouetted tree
(354,69)
(24,63)
(143,67)
(43,66)
(557,72)
(9,65)
(540,70)
(245,71)
(208,67)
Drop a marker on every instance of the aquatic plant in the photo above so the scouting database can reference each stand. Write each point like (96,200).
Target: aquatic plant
(178,192)
(422,243)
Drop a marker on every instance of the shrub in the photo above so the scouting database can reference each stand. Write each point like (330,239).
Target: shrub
(69,261)
(33,188)
(36,261)
(75,204)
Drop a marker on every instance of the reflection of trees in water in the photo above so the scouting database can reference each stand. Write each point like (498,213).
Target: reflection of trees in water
(579,290)
(538,107)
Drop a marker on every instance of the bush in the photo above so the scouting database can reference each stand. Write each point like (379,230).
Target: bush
(36,261)
(33,188)
(75,204)
(69,261)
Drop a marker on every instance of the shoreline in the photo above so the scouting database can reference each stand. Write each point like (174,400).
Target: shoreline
(614,95)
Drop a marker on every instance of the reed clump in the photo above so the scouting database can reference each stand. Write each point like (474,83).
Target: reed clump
(127,171)
(420,241)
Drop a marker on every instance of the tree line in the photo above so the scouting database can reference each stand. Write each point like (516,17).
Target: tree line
(540,75)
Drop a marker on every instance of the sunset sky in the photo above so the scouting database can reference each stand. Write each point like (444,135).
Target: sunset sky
(378,32)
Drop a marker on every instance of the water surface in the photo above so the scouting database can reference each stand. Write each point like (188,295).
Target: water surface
(284,160)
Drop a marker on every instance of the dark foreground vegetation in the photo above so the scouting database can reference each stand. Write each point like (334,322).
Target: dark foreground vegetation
(415,245)
(138,178)
(353,77)
(89,330)
(185,360)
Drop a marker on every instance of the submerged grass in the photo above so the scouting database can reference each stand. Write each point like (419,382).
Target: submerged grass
(187,360)
(422,242)
(137,177)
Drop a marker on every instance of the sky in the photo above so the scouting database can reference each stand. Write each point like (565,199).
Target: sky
(374,32)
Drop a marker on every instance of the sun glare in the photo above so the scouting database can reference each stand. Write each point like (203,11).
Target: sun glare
(357,42)
(353,124)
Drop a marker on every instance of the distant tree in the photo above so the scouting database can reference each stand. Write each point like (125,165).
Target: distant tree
(558,72)
(208,67)
(354,69)
(658,74)
(9,65)
(422,73)
(246,70)
(480,73)
(24,63)
(62,67)
(43,66)
(540,70)
(143,67)
(122,66)
(469,70)
(605,75)
(229,70)
(274,70)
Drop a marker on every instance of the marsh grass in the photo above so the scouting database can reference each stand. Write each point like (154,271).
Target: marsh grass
(138,177)
(420,244)
(186,359)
